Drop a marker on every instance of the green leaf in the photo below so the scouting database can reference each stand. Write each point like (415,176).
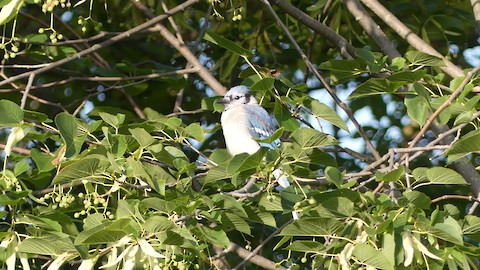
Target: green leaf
(195,131)
(448,230)
(45,246)
(313,227)
(407,76)
(335,207)
(231,220)
(375,86)
(40,222)
(370,256)
(451,227)
(334,176)
(107,232)
(353,66)
(6,200)
(215,236)
(388,247)
(21,167)
(468,143)
(398,63)
(136,89)
(113,120)
(82,169)
(394,176)
(10,10)
(311,138)
(471,227)
(67,125)
(423,59)
(263,85)
(260,217)
(158,204)
(307,246)
(35,116)
(324,112)
(43,161)
(226,44)
(418,199)
(244,161)
(142,136)
(444,176)
(284,117)
(158,177)
(157,224)
(11,113)
(417,109)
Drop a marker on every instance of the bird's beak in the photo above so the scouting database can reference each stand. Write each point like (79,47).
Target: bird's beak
(222,101)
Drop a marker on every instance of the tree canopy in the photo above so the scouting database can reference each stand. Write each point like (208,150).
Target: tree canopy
(113,155)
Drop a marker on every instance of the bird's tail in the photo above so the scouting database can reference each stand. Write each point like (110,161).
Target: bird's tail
(282,180)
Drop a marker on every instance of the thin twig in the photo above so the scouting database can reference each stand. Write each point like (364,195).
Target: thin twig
(114,79)
(105,43)
(462,197)
(444,105)
(27,89)
(216,86)
(260,246)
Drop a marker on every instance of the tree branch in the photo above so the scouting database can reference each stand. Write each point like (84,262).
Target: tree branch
(408,35)
(103,44)
(329,89)
(346,49)
(186,53)
(372,29)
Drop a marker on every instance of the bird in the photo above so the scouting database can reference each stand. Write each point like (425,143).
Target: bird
(243,121)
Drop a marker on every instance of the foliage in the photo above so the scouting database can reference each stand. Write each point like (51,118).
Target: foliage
(114,158)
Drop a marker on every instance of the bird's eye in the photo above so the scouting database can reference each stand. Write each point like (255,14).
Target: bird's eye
(238,97)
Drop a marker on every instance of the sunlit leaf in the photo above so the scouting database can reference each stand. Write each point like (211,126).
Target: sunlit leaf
(370,256)
(420,58)
(11,114)
(324,112)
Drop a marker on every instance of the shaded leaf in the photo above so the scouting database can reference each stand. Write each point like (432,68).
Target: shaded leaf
(67,125)
(313,227)
(226,43)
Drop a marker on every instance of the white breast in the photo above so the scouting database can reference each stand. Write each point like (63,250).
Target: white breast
(236,132)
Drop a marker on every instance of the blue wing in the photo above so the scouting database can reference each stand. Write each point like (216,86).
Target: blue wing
(261,124)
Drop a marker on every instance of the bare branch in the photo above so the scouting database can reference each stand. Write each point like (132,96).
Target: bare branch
(476,12)
(202,72)
(372,29)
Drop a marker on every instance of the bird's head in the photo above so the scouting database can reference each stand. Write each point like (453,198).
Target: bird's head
(236,96)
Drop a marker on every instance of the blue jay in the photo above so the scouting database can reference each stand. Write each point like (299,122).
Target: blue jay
(243,121)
